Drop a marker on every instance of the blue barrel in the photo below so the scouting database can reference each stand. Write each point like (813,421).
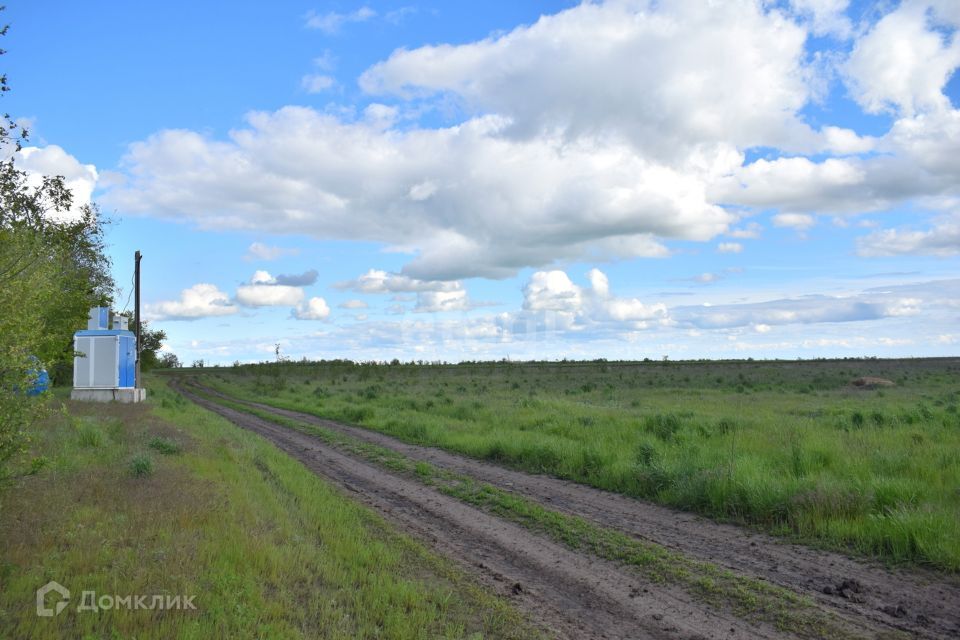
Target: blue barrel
(40,379)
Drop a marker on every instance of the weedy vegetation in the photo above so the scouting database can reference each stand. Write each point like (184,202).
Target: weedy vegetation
(168,499)
(792,448)
(747,597)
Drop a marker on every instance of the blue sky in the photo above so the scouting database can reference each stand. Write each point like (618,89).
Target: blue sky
(621,179)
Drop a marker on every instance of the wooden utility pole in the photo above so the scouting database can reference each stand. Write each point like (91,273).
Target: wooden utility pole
(136,313)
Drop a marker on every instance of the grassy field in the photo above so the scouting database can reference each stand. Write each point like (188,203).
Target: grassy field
(169,499)
(789,447)
(749,598)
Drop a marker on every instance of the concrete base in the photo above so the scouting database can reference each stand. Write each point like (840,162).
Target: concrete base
(109,395)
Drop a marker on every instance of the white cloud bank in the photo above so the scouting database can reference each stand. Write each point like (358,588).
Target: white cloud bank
(604,131)
(263,290)
(566,150)
(898,66)
(562,318)
(378,281)
(942,239)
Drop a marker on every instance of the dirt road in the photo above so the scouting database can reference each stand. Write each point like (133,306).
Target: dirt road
(579,596)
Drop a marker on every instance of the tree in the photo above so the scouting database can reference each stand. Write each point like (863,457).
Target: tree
(169,361)
(52,270)
(151,342)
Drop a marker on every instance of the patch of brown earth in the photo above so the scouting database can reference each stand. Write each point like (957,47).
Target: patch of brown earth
(868,382)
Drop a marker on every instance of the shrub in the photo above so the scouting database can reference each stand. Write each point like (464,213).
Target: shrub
(462,412)
(857,419)
(89,436)
(653,479)
(663,425)
(497,452)
(38,463)
(591,463)
(371,392)
(726,425)
(540,458)
(166,446)
(647,454)
(356,414)
(423,470)
(141,466)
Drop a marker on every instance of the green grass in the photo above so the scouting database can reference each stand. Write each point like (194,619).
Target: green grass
(751,599)
(787,447)
(267,548)
(165,446)
(141,465)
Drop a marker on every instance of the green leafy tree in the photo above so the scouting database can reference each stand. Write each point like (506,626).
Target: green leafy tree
(169,361)
(151,341)
(52,270)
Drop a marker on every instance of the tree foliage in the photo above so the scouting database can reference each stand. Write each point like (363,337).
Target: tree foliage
(169,361)
(53,268)
(151,341)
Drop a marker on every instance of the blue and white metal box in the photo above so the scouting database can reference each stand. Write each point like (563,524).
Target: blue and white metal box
(109,359)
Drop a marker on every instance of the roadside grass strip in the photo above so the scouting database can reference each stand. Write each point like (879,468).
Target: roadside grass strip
(173,500)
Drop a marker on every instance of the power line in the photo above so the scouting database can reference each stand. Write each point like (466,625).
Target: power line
(127,303)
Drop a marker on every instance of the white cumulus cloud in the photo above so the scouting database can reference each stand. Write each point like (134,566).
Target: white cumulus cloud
(606,130)
(314,309)
(199,301)
(903,62)
(495,204)
(264,290)
(673,77)
(80,179)
(268,295)
(553,291)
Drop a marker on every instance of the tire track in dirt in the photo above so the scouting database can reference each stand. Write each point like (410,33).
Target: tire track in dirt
(920,602)
(570,594)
